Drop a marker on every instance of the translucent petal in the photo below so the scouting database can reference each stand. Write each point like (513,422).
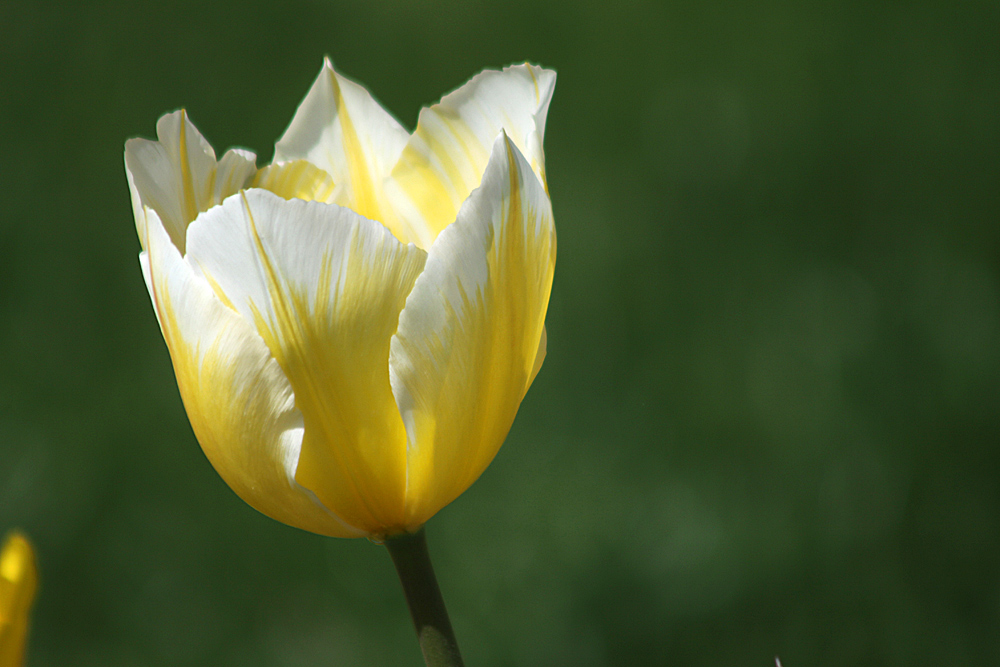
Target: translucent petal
(341,129)
(297,179)
(445,158)
(178,177)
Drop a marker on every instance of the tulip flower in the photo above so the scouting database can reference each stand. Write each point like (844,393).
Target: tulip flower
(18,583)
(354,326)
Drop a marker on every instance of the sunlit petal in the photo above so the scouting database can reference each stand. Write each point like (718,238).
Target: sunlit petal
(445,158)
(341,129)
(471,336)
(297,179)
(178,177)
(324,288)
(241,406)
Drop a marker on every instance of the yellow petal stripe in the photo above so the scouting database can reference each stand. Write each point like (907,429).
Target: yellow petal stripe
(471,335)
(363,200)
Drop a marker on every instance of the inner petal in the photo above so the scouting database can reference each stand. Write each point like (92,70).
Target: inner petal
(444,159)
(178,176)
(340,128)
(297,179)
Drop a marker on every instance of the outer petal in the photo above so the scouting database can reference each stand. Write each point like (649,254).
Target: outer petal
(445,158)
(240,404)
(324,288)
(178,176)
(470,336)
(340,128)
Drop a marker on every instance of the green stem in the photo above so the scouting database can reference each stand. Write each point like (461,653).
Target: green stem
(430,618)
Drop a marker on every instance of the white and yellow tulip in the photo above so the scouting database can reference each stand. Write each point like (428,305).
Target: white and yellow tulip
(353,327)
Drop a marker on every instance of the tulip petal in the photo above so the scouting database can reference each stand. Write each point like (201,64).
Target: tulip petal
(341,129)
(471,336)
(178,177)
(240,404)
(446,156)
(297,179)
(324,288)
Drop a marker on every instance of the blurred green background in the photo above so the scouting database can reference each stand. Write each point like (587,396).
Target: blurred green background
(768,421)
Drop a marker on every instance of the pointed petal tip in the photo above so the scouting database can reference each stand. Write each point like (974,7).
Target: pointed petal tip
(446,156)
